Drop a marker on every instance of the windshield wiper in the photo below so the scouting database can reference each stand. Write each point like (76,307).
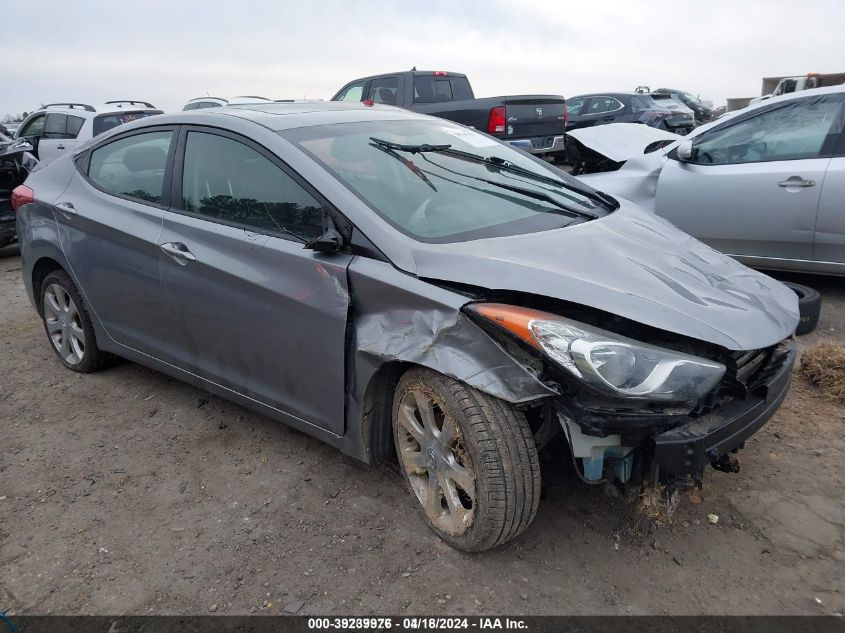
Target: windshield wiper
(530,193)
(501,163)
(413,149)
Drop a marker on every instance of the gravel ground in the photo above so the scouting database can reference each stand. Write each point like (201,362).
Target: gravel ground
(127,492)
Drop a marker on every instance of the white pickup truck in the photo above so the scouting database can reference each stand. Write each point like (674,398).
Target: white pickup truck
(799,83)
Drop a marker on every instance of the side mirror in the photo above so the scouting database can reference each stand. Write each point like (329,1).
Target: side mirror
(684,152)
(331,241)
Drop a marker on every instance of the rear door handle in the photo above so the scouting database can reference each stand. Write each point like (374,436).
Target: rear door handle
(66,209)
(796,181)
(60,146)
(178,251)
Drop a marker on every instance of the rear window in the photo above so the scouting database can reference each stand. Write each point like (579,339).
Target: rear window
(105,122)
(437,88)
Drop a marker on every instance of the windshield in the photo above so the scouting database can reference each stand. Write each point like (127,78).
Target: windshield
(431,180)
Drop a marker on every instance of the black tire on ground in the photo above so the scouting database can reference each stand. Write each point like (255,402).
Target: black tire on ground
(489,445)
(809,306)
(93,359)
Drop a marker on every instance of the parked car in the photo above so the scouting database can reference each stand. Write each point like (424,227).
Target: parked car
(200,103)
(672,102)
(703,110)
(59,127)
(625,107)
(764,184)
(534,123)
(15,165)
(397,284)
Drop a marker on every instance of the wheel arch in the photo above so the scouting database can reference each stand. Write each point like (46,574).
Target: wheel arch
(43,267)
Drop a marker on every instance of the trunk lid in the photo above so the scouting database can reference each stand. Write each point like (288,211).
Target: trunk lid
(534,115)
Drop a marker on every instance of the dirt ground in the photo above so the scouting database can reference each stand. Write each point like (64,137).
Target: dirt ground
(127,492)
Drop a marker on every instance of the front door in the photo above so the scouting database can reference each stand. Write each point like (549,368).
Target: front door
(752,187)
(251,309)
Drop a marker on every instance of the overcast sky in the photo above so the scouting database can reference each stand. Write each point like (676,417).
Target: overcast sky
(170,51)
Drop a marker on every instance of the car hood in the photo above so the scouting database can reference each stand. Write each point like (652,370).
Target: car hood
(632,264)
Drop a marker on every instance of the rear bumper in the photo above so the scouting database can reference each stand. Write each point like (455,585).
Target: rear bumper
(539,144)
(688,448)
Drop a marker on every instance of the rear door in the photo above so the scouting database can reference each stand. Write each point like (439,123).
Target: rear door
(754,184)
(601,109)
(251,308)
(110,218)
(59,136)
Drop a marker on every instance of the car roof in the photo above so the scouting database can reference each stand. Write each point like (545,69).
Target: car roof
(415,73)
(283,116)
(86,110)
(605,94)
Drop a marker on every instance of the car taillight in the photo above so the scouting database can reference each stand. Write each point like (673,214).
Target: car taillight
(440,73)
(22,195)
(497,120)
(565,117)
(368,102)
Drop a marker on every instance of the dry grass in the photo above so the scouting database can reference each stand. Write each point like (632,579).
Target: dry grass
(652,504)
(824,364)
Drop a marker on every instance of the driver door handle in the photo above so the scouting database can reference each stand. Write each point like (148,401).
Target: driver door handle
(178,251)
(796,181)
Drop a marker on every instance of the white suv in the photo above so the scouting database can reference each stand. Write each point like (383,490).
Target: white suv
(59,127)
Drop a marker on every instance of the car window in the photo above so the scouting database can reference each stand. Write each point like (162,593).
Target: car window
(603,104)
(224,179)
(35,127)
(74,124)
(352,92)
(133,166)
(788,131)
(105,122)
(434,88)
(56,126)
(384,89)
(574,106)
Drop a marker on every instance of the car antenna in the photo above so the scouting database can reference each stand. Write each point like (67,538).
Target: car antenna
(413,69)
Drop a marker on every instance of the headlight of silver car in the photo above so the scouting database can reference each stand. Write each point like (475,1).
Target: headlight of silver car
(608,362)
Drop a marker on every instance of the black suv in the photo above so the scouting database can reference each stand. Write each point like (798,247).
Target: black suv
(625,107)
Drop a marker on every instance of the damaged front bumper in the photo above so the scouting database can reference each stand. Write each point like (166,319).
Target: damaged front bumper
(608,442)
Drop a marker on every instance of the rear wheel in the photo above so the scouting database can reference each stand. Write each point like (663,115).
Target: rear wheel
(469,460)
(68,325)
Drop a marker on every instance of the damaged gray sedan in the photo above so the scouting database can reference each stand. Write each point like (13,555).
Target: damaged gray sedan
(396,284)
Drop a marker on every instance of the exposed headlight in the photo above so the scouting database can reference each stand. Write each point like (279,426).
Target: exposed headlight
(608,362)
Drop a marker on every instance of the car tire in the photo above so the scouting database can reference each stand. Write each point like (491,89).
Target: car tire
(468,459)
(68,325)
(809,307)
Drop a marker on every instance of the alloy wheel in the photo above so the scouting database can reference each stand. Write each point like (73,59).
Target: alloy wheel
(436,462)
(64,324)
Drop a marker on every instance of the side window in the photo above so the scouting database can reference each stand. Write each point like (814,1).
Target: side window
(790,131)
(384,89)
(74,124)
(133,166)
(432,89)
(226,180)
(352,92)
(599,105)
(34,127)
(573,106)
(56,126)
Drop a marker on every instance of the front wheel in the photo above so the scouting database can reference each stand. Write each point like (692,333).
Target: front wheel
(468,458)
